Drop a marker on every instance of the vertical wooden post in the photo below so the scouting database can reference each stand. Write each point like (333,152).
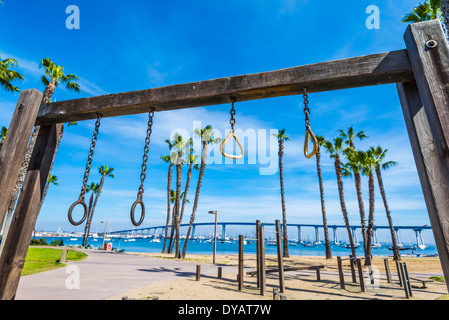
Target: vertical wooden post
(220,273)
(15,145)
(430,171)
(360,270)
(428,50)
(198,272)
(352,263)
(25,215)
(398,267)
(407,279)
(262,260)
(279,253)
(258,252)
(340,273)
(63,255)
(240,262)
(387,270)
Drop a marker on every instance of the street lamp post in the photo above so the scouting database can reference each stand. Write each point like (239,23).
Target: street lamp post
(215,234)
(104,234)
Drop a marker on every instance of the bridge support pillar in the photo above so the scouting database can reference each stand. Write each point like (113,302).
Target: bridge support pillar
(398,238)
(354,236)
(223,232)
(192,236)
(335,236)
(299,234)
(317,236)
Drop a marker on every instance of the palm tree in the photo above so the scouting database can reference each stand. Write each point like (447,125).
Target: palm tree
(173,198)
(379,155)
(207,137)
(179,145)
(321,141)
(55,76)
(429,10)
(281,138)
(3,133)
(170,160)
(335,149)
(355,165)
(94,188)
(7,75)
(350,135)
(367,170)
(104,171)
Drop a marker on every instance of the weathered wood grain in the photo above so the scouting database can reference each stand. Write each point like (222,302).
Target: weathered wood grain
(376,69)
(431,68)
(15,145)
(430,172)
(25,215)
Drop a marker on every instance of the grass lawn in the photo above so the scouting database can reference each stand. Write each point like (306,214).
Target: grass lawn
(43,259)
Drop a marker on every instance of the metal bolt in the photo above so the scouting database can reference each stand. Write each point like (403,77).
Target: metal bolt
(431,44)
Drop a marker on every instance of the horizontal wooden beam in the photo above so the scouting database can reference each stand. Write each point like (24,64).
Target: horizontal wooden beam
(376,69)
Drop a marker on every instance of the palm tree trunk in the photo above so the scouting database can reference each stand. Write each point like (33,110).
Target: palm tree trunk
(170,169)
(184,199)
(358,187)
(369,234)
(197,195)
(396,254)
(284,215)
(327,243)
(171,243)
(342,203)
(178,202)
(88,221)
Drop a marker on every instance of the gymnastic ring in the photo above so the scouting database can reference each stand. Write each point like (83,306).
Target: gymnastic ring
(133,208)
(83,203)
(309,132)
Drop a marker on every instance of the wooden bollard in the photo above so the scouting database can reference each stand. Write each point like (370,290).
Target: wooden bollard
(387,270)
(279,253)
(198,272)
(352,262)
(362,280)
(262,260)
(258,253)
(220,272)
(340,273)
(240,277)
(63,255)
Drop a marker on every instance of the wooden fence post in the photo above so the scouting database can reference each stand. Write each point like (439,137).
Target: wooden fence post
(387,270)
(360,270)
(220,273)
(340,273)
(428,130)
(15,145)
(258,252)
(63,255)
(240,262)
(262,260)
(198,272)
(25,215)
(279,253)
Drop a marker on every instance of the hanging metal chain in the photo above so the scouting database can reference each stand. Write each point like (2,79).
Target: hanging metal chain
(232,121)
(306,107)
(145,153)
(139,199)
(81,200)
(91,155)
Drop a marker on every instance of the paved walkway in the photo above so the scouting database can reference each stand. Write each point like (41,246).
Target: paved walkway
(104,274)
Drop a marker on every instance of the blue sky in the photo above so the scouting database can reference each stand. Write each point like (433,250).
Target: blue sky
(124,47)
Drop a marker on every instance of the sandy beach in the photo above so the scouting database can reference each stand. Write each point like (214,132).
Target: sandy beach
(300,285)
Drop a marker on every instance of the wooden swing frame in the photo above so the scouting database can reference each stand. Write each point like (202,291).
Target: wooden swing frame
(421,74)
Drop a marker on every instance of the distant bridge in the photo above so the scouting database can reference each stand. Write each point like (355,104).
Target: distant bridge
(317,227)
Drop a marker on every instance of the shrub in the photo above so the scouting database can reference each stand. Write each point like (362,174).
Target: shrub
(58,243)
(38,242)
